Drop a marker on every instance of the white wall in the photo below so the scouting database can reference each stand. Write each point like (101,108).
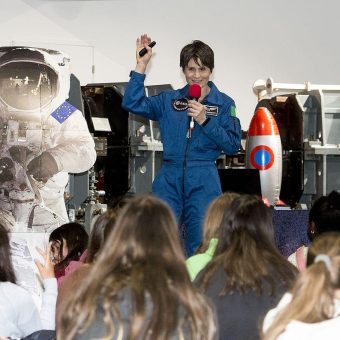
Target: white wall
(291,41)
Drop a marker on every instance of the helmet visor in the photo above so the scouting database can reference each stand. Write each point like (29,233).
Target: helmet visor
(26,85)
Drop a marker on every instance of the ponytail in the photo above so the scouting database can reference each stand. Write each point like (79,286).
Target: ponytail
(313,293)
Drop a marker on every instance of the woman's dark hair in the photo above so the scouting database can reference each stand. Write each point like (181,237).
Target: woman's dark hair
(6,267)
(246,249)
(76,239)
(100,231)
(142,255)
(200,52)
(325,215)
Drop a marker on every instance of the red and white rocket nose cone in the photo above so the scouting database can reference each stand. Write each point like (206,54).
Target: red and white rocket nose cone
(263,123)
(264,152)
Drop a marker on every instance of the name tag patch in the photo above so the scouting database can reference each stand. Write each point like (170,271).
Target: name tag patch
(180,104)
(211,110)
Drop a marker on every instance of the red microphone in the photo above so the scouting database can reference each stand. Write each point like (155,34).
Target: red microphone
(194,93)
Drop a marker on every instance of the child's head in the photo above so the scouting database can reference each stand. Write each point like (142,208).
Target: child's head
(100,231)
(214,217)
(69,241)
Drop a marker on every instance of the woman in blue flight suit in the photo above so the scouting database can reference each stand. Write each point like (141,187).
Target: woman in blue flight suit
(188,180)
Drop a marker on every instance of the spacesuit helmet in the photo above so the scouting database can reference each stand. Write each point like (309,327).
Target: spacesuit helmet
(27,81)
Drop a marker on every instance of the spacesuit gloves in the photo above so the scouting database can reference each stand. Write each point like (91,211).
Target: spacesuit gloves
(42,167)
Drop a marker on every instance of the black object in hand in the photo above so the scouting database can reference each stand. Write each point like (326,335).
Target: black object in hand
(143,51)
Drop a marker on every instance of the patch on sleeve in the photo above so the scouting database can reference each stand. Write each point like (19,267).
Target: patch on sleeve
(63,112)
(211,110)
(233,111)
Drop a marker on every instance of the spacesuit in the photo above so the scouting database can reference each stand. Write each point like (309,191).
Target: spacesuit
(188,180)
(43,138)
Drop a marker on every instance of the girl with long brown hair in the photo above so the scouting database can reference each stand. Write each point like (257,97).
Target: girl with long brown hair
(247,275)
(139,287)
(312,309)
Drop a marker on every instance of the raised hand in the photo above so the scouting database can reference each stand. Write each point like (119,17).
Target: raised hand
(46,270)
(143,61)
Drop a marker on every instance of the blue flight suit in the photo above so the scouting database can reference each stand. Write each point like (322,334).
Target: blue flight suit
(188,179)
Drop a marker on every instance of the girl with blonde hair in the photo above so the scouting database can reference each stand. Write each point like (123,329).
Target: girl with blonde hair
(139,288)
(312,309)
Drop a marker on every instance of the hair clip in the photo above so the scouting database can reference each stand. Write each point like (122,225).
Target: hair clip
(325,259)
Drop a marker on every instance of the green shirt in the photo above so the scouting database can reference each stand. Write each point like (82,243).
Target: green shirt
(197,262)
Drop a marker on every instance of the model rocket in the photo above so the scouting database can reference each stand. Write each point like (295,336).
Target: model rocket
(264,152)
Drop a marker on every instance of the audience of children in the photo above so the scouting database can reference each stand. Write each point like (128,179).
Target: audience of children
(212,222)
(139,287)
(131,280)
(19,316)
(324,216)
(247,275)
(69,243)
(312,309)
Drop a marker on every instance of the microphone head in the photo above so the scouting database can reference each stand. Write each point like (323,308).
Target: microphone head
(194,91)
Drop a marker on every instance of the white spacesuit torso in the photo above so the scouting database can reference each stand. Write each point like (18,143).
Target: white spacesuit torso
(42,138)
